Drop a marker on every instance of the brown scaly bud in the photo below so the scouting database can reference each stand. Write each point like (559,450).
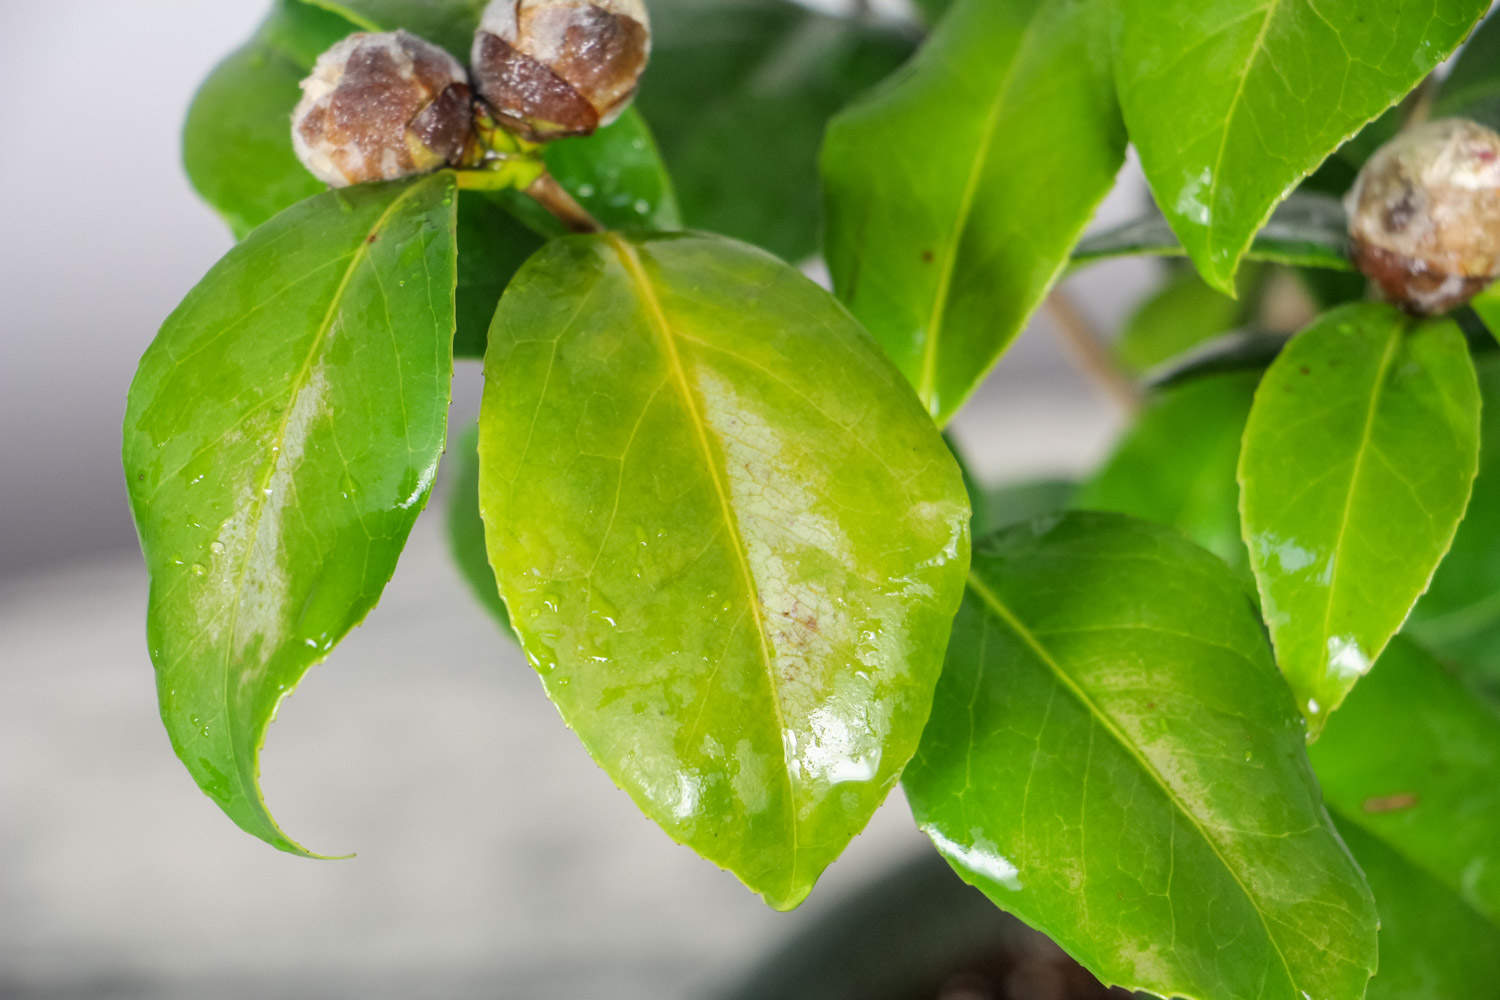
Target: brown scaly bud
(555,68)
(1424,215)
(380,107)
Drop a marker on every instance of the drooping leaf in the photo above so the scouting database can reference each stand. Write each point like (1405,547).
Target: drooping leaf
(466,531)
(1177,465)
(955,192)
(1459,616)
(1472,89)
(730,540)
(1232,103)
(1182,315)
(1306,230)
(281,437)
(1358,461)
(739,92)
(1412,759)
(1113,758)
(237,142)
(1433,946)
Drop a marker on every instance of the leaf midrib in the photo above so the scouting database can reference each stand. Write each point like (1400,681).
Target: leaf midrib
(657,317)
(995,604)
(277,449)
(1256,48)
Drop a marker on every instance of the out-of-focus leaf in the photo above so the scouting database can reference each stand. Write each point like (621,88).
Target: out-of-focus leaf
(1232,103)
(282,435)
(1357,466)
(449,23)
(739,92)
(1177,465)
(1182,315)
(956,191)
(1412,759)
(1472,89)
(1306,230)
(729,538)
(466,531)
(1113,758)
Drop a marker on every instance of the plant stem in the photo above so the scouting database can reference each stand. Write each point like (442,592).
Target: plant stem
(555,198)
(1090,353)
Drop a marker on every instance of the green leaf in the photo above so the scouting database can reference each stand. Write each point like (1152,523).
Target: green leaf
(1177,465)
(1412,759)
(1358,461)
(466,531)
(1306,230)
(237,142)
(449,23)
(933,10)
(1182,315)
(1459,616)
(739,93)
(1472,89)
(739,605)
(1113,758)
(1433,946)
(1232,103)
(492,247)
(281,437)
(1023,501)
(955,192)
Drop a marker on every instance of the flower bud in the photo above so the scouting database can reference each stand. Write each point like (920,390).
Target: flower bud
(555,68)
(1424,215)
(380,107)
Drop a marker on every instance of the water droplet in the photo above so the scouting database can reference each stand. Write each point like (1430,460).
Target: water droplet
(1249,756)
(217,548)
(199,569)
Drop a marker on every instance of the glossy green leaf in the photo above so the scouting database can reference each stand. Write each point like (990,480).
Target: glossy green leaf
(739,93)
(1306,230)
(1358,461)
(1184,314)
(956,191)
(1459,616)
(1433,946)
(730,540)
(1177,465)
(466,530)
(1413,759)
(237,142)
(1113,758)
(1472,89)
(281,437)
(1231,103)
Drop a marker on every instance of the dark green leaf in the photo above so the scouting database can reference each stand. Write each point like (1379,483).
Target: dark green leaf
(739,605)
(1307,230)
(492,245)
(1433,946)
(281,437)
(237,142)
(449,23)
(1177,465)
(933,10)
(1472,89)
(1459,617)
(738,93)
(1182,315)
(1412,759)
(1358,461)
(1113,758)
(1017,502)
(466,530)
(956,191)
(1232,103)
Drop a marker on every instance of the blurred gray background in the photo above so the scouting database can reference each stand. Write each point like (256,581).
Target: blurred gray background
(494,858)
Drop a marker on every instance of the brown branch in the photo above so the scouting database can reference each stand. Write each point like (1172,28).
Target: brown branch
(1090,353)
(555,198)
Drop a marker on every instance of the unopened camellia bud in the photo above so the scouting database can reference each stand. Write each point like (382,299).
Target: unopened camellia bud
(1424,216)
(555,68)
(380,107)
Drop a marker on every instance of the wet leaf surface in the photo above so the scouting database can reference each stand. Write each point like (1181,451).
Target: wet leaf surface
(736,602)
(1114,758)
(282,435)
(1357,466)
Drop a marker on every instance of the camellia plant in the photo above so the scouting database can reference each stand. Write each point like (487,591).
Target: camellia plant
(1218,719)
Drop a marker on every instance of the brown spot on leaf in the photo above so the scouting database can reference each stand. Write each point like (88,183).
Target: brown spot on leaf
(1390,803)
